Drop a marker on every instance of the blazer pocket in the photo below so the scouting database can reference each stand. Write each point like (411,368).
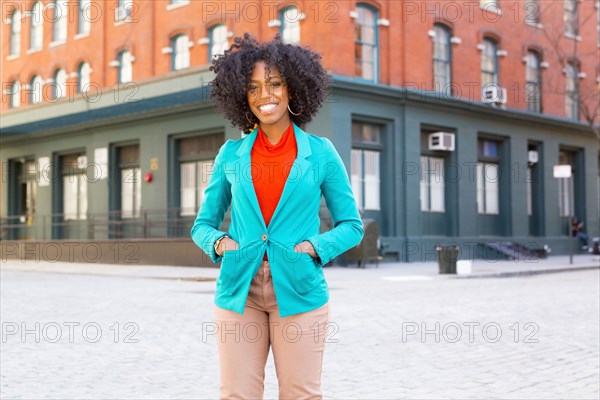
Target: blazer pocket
(231,265)
(306,272)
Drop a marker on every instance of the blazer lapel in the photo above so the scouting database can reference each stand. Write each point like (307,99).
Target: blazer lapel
(245,172)
(299,169)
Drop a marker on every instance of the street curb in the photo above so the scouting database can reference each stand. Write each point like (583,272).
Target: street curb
(527,272)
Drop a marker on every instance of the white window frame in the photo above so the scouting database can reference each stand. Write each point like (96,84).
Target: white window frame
(181,52)
(131,192)
(290,25)
(60,20)
(60,84)
(367,19)
(218,41)
(15,95)
(192,184)
(37,27)
(442,61)
(37,84)
(84,77)
(15,33)
(432,185)
(83,11)
(488,190)
(125,67)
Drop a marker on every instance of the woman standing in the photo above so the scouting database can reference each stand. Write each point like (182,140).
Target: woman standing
(271,290)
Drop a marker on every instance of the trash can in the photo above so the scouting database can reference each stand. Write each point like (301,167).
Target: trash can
(447,256)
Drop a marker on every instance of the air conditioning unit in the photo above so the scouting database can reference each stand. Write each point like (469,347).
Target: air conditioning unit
(493,94)
(441,141)
(532,157)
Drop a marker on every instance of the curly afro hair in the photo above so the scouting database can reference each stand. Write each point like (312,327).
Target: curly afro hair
(300,68)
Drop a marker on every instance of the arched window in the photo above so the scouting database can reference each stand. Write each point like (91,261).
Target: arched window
(37,27)
(571,91)
(533,82)
(181,53)
(125,67)
(36,90)
(60,20)
(15,33)
(60,84)
(218,41)
(15,95)
(83,17)
(83,81)
(441,59)
(366,46)
(489,63)
(290,25)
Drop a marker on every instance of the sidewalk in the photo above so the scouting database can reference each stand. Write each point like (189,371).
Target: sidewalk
(389,271)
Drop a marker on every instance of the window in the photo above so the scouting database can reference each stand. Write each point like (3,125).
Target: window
(532,85)
(489,3)
(36,90)
(181,53)
(441,59)
(531,10)
(74,187)
(529,182)
(83,13)
(218,40)
(37,27)
(60,20)
(83,83)
(489,63)
(572,91)
(196,159)
(60,84)
(566,188)
(29,188)
(290,25)
(488,178)
(123,10)
(365,43)
(432,184)
(131,181)
(125,67)
(571,18)
(365,165)
(15,33)
(15,95)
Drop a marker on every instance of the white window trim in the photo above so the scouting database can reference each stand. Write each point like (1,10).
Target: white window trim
(174,6)
(574,37)
(57,43)
(490,8)
(81,35)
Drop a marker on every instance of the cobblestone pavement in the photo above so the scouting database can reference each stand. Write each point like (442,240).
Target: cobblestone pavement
(72,336)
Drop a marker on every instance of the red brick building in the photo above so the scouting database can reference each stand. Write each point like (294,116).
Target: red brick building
(517,76)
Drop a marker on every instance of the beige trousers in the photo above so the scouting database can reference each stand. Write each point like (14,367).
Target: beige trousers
(243,341)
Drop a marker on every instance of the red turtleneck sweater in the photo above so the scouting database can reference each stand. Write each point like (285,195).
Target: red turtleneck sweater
(271,166)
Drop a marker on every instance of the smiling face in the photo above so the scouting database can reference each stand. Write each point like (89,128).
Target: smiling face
(268,98)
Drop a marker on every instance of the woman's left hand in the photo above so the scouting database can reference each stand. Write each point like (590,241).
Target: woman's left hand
(306,247)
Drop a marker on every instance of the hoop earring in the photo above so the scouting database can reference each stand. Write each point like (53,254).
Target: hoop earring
(293,113)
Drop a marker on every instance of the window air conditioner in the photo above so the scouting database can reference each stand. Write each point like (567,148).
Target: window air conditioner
(441,141)
(532,157)
(493,94)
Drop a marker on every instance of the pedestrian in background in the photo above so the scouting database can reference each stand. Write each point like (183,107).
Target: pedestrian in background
(577,231)
(271,290)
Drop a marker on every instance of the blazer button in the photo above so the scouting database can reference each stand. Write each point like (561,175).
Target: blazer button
(264,237)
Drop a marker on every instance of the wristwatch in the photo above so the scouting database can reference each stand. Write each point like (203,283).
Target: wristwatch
(218,242)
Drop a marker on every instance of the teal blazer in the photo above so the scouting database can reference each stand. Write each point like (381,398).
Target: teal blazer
(298,278)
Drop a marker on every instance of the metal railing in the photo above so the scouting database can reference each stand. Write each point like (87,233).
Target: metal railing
(151,223)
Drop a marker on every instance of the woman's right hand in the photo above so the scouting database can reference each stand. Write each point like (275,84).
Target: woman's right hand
(227,244)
